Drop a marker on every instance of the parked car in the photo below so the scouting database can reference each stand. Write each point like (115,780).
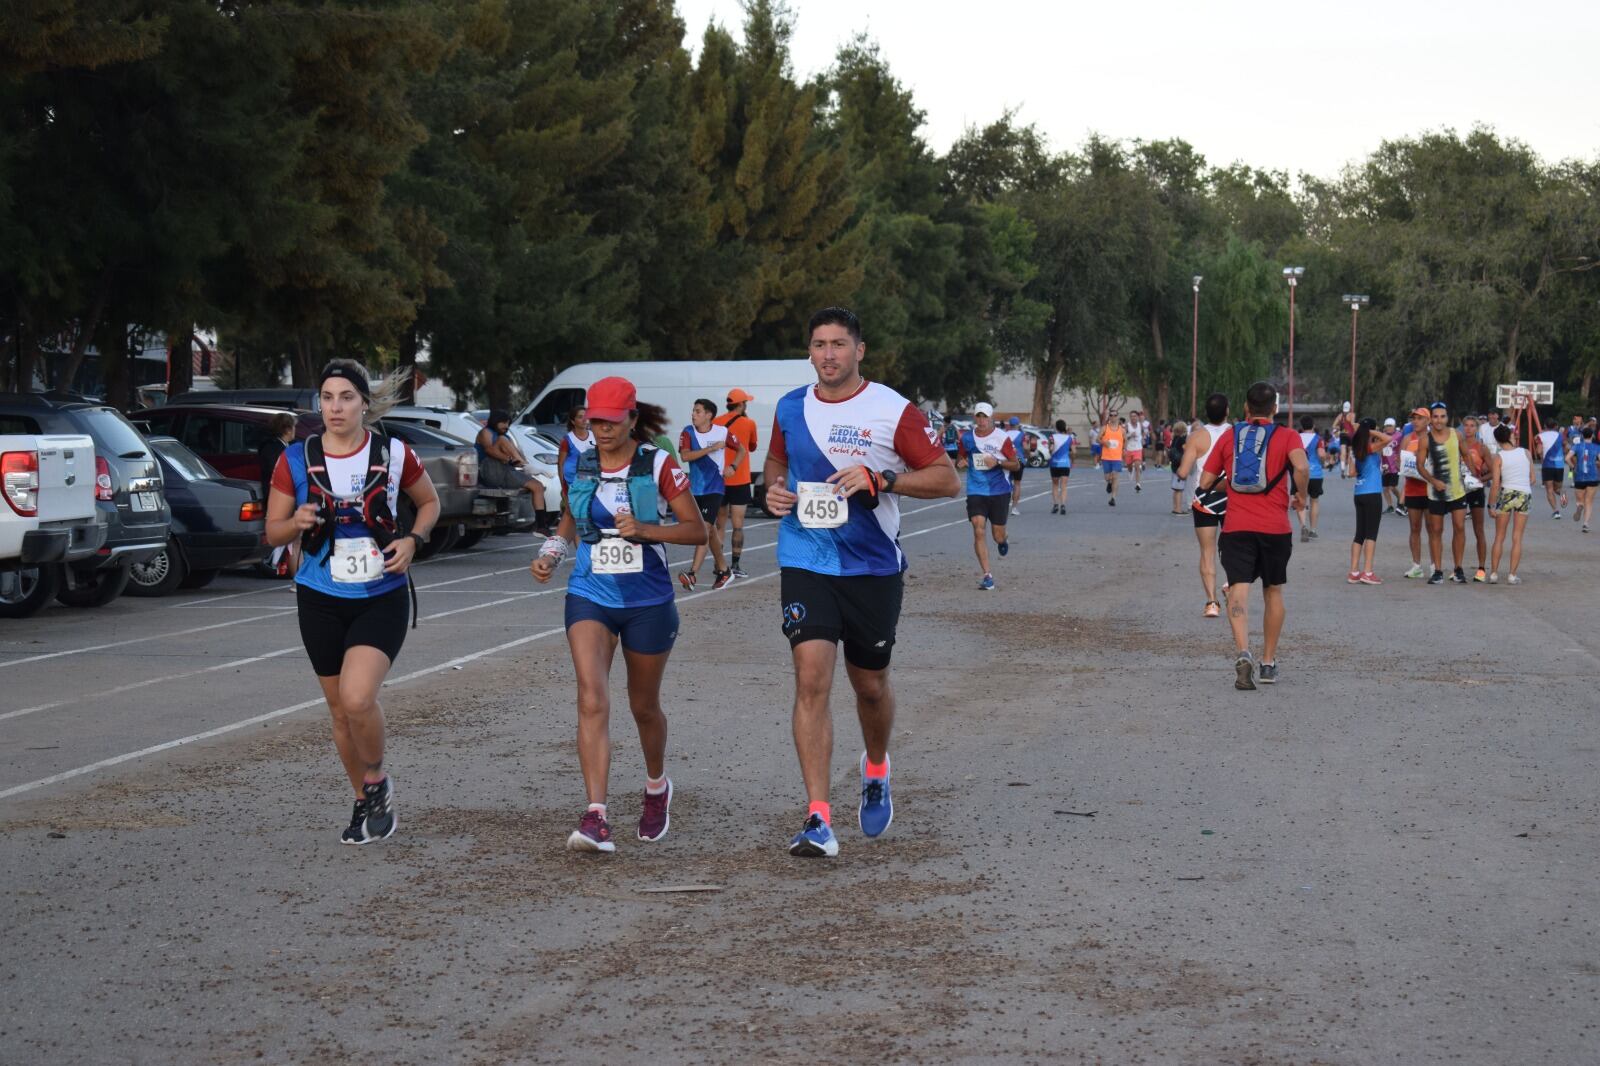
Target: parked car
(283,398)
(228,436)
(217,522)
(127,489)
(49,519)
(511,509)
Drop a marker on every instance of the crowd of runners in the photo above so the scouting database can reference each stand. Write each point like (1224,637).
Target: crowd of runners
(841,454)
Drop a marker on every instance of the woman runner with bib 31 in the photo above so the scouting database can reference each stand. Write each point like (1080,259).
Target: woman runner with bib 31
(621,591)
(339,493)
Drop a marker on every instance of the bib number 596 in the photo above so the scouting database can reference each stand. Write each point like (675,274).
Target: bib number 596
(613,555)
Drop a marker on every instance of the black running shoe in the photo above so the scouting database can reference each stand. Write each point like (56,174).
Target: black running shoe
(381,821)
(1268,674)
(1243,666)
(356,833)
(737,571)
(1437,578)
(1459,577)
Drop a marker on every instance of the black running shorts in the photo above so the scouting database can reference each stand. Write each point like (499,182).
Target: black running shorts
(331,624)
(862,611)
(737,496)
(1248,556)
(1477,499)
(1203,520)
(994,508)
(1060,473)
(1442,507)
(1391,480)
(1554,474)
(709,505)
(1314,487)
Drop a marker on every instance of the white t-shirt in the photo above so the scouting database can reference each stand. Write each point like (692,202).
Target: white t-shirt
(1516,470)
(1486,435)
(347,474)
(1135,437)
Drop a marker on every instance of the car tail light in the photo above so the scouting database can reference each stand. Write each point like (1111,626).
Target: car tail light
(102,479)
(251,510)
(19,472)
(466,470)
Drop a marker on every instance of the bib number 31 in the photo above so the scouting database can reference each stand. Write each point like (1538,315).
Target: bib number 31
(821,505)
(356,561)
(613,555)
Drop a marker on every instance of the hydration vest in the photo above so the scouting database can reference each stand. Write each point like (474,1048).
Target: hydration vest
(643,496)
(1249,472)
(376,514)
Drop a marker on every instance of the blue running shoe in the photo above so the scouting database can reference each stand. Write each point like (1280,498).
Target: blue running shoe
(877,808)
(1004,546)
(987,584)
(815,841)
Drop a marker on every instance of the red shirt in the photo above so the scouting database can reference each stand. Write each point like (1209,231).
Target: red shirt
(1258,512)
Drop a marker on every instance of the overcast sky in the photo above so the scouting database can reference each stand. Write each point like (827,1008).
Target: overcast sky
(1287,86)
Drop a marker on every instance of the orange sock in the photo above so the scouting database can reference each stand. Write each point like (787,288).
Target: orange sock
(878,770)
(821,810)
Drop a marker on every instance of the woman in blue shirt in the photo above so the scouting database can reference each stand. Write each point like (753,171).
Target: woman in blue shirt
(621,592)
(1366,449)
(1585,474)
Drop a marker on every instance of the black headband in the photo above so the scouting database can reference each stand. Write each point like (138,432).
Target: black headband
(353,376)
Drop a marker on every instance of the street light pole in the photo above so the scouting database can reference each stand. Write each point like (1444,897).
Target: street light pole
(1194,359)
(1292,275)
(1354,301)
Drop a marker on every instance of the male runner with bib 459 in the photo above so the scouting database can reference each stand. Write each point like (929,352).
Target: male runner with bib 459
(843,452)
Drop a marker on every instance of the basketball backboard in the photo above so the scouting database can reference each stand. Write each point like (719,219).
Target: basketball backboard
(1541,391)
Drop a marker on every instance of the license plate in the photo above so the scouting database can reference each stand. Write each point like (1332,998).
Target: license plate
(145,501)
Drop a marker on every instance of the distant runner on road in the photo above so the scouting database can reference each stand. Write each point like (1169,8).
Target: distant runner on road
(701,447)
(1207,521)
(736,476)
(1061,444)
(843,452)
(986,454)
(1261,463)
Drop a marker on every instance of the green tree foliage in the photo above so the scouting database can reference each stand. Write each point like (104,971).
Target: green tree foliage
(505,188)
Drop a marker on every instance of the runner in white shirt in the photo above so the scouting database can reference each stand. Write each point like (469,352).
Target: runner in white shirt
(1202,439)
(1138,432)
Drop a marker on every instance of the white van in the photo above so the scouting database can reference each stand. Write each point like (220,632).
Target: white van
(676,386)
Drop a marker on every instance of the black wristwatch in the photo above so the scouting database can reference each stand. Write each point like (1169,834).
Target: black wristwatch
(888,477)
(418,538)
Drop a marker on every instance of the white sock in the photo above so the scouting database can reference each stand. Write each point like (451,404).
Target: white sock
(655,785)
(598,807)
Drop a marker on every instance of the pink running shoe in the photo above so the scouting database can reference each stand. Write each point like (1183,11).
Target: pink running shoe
(656,815)
(1354,577)
(1369,578)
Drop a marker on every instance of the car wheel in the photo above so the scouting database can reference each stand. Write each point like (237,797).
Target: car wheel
(199,579)
(439,540)
(25,589)
(468,539)
(159,575)
(95,588)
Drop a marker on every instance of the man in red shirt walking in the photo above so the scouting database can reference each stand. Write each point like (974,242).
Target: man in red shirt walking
(1256,540)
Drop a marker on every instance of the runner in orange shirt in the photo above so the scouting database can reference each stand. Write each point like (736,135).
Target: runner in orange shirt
(1112,439)
(736,476)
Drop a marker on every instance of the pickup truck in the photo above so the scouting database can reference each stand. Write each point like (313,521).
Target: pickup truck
(48,519)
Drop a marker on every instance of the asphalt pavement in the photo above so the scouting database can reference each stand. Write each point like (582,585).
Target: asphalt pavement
(1101,852)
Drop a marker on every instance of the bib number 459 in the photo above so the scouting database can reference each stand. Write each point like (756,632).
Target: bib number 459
(821,506)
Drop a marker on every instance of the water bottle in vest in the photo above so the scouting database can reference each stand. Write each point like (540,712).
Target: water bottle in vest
(1249,472)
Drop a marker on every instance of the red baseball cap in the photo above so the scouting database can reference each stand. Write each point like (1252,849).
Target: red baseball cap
(611,399)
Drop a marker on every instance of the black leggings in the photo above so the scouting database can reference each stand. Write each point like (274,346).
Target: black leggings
(1369,512)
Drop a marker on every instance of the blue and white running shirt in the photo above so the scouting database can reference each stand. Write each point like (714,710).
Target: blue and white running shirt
(876,428)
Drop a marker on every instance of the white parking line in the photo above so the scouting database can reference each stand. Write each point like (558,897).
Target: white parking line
(147,682)
(462,660)
(414,675)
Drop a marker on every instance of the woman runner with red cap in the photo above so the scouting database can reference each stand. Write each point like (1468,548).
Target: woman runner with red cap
(621,591)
